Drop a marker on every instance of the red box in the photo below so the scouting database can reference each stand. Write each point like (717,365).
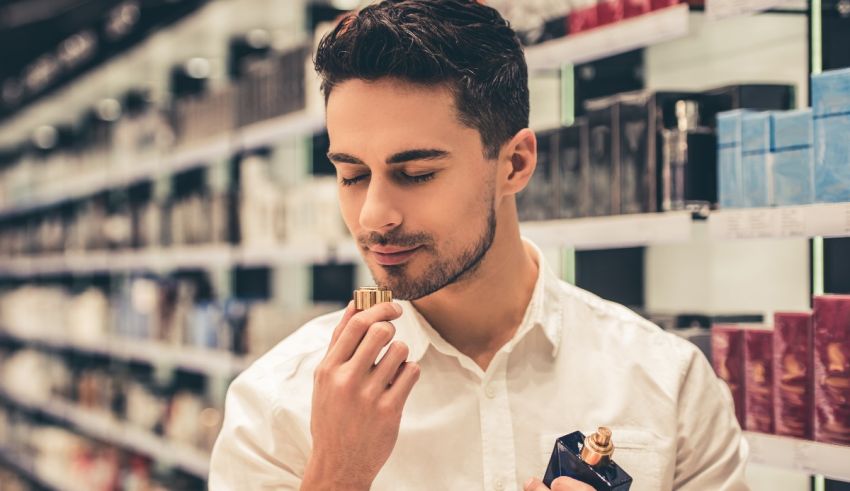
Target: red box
(832,368)
(634,8)
(793,374)
(583,19)
(609,12)
(660,4)
(758,386)
(727,355)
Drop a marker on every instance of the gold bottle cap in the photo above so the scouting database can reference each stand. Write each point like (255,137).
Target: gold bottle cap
(598,448)
(368,296)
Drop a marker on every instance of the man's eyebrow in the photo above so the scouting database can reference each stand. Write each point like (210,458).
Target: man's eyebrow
(398,158)
(344,158)
(417,154)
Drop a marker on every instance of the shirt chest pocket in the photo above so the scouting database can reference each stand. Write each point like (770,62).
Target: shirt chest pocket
(635,450)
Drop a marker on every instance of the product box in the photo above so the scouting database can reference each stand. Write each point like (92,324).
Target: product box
(583,16)
(643,116)
(634,8)
(604,155)
(730,180)
(793,375)
(757,97)
(793,157)
(573,190)
(755,149)
(832,368)
(758,388)
(727,356)
(609,11)
(660,4)
(638,153)
(831,107)
(537,200)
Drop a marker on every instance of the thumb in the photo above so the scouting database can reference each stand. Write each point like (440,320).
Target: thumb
(534,484)
(568,484)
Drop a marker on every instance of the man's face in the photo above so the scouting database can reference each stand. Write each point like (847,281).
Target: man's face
(416,191)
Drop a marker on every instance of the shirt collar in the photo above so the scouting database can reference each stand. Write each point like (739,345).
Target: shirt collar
(544,312)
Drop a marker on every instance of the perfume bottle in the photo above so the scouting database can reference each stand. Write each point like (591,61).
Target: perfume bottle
(689,165)
(368,296)
(587,459)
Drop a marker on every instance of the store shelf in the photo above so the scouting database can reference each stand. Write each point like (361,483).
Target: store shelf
(612,232)
(800,455)
(827,220)
(196,155)
(719,9)
(273,130)
(164,259)
(103,427)
(81,185)
(645,30)
(201,360)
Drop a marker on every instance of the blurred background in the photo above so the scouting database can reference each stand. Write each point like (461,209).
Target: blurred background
(167,212)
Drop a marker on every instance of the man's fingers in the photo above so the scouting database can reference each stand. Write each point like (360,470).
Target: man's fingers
(568,484)
(349,313)
(534,484)
(377,336)
(407,377)
(559,484)
(386,370)
(352,333)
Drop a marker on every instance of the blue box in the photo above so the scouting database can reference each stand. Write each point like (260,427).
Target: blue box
(729,159)
(831,107)
(755,152)
(793,158)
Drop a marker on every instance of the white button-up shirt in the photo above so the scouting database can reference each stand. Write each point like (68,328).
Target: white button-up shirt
(575,363)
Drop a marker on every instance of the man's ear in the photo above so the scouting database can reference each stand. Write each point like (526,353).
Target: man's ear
(517,161)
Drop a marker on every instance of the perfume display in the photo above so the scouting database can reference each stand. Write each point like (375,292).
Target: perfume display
(649,151)
(796,371)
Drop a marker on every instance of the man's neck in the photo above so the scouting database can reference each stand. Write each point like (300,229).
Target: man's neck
(478,315)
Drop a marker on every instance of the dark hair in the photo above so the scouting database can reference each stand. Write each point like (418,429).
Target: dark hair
(463,44)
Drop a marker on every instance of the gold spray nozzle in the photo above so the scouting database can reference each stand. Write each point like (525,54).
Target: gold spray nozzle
(598,448)
(368,296)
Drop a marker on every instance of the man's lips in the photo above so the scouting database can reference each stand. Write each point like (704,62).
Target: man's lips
(392,256)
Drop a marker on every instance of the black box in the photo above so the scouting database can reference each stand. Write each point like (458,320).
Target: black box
(603,156)
(573,187)
(759,97)
(537,200)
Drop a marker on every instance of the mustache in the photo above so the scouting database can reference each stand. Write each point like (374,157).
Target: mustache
(395,238)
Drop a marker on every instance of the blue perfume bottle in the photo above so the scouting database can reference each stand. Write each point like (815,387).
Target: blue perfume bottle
(587,459)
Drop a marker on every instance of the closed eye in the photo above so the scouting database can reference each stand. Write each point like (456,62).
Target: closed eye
(414,179)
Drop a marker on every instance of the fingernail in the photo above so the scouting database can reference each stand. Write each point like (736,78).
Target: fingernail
(397,307)
(528,483)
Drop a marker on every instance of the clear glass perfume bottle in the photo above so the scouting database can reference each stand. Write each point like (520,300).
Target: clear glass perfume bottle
(688,171)
(589,460)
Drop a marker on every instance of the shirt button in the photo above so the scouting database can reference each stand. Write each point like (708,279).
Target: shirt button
(491,392)
(499,485)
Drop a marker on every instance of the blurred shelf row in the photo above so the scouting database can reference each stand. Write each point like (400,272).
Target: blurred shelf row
(105,428)
(211,362)
(826,220)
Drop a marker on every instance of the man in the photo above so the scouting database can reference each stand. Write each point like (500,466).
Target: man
(466,382)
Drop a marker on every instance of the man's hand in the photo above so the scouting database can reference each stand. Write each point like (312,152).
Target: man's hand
(559,484)
(357,404)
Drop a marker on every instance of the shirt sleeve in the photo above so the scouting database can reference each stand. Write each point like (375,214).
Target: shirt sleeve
(259,447)
(711,451)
